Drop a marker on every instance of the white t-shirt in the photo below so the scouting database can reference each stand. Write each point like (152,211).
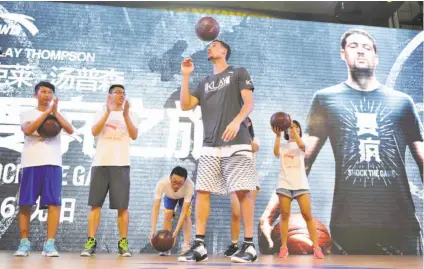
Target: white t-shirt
(164,186)
(113,145)
(292,167)
(38,150)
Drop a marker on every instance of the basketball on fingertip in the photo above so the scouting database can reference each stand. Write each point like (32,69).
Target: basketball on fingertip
(207,29)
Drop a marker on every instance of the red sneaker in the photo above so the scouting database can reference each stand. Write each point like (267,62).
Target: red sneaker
(318,253)
(284,252)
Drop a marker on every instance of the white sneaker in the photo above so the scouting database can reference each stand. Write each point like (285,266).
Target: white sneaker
(246,254)
(197,253)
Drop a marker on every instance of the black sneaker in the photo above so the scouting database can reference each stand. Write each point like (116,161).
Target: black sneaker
(197,253)
(232,249)
(246,254)
(89,247)
(123,248)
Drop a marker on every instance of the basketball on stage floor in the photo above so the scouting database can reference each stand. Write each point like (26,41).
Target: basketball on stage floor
(162,240)
(298,240)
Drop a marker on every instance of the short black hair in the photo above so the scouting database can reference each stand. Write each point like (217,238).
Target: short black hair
(115,86)
(359,32)
(179,171)
(286,132)
(226,46)
(44,84)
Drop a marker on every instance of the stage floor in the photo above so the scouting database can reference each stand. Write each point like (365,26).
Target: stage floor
(151,261)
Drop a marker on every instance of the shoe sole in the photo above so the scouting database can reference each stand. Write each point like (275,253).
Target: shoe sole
(50,255)
(205,259)
(125,255)
(185,260)
(87,254)
(21,255)
(240,260)
(181,260)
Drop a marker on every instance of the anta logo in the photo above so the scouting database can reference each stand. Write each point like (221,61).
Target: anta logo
(211,87)
(14,23)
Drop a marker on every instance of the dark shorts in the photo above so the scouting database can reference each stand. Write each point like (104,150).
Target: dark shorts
(44,181)
(112,179)
(376,241)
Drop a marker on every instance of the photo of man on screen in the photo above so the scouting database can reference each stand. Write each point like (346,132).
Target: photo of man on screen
(369,127)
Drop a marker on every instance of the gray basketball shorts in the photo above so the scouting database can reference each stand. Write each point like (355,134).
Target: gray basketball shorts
(112,179)
(226,169)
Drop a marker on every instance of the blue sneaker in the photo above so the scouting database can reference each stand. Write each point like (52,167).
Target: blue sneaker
(24,248)
(49,249)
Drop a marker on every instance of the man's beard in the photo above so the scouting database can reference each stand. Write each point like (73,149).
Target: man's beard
(361,73)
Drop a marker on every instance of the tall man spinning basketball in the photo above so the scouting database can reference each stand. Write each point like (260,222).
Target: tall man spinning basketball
(226,161)
(369,127)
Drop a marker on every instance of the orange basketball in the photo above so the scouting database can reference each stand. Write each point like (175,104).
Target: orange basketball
(298,240)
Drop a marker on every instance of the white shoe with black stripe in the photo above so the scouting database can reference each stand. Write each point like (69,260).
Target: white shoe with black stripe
(246,254)
(197,253)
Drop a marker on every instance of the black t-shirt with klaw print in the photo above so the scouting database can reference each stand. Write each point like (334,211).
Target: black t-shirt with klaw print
(220,101)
